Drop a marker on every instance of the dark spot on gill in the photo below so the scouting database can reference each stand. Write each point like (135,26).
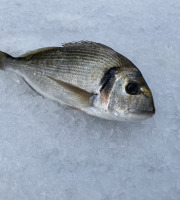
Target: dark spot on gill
(108,80)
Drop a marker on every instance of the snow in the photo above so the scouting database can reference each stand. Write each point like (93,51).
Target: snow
(51,152)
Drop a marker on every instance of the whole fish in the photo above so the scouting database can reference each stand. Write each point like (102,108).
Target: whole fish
(87,76)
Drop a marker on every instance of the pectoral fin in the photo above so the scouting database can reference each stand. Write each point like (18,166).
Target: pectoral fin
(78,95)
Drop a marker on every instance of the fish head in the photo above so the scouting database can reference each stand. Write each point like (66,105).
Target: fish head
(128,97)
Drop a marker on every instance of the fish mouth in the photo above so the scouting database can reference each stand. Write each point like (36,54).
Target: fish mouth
(144,112)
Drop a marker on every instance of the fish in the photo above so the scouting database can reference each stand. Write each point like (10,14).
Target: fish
(87,76)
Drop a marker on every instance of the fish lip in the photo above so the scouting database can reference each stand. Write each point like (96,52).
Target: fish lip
(144,112)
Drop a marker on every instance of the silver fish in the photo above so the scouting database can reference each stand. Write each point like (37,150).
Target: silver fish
(87,76)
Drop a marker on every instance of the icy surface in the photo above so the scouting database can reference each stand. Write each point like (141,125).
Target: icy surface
(48,152)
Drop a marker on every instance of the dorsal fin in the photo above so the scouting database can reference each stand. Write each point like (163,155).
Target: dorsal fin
(80,45)
(36,51)
(87,44)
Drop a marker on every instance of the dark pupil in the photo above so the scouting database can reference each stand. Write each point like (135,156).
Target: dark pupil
(132,88)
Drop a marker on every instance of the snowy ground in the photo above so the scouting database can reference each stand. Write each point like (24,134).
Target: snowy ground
(48,152)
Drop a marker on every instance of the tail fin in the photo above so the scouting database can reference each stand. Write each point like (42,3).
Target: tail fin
(3,58)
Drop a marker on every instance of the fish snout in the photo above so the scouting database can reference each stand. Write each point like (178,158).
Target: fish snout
(146,92)
(150,108)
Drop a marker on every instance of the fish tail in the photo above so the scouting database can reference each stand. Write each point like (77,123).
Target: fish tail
(3,60)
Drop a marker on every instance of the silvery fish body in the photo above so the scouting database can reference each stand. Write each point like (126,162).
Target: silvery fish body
(88,76)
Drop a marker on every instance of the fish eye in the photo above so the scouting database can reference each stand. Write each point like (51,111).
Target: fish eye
(132,88)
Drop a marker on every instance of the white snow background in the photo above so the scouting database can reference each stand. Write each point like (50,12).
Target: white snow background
(48,152)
